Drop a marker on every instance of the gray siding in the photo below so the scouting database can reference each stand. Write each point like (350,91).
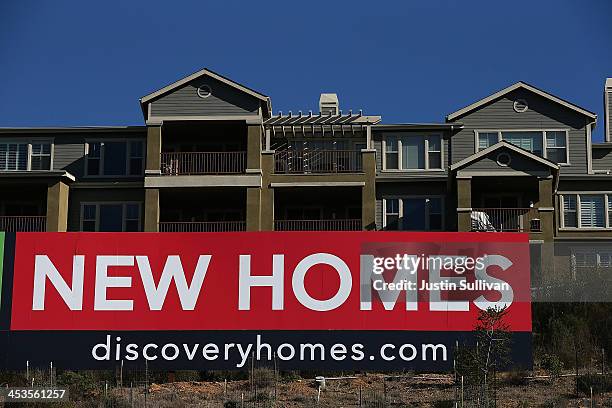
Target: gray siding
(542,114)
(224,101)
(68,154)
(602,158)
(81,195)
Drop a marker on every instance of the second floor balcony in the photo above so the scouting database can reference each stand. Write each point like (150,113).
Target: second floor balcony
(505,220)
(198,163)
(317,161)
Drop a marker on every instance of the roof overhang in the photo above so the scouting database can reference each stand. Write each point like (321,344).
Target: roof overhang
(145,100)
(418,126)
(523,85)
(500,145)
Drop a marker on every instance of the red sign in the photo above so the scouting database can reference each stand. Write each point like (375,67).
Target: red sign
(268,281)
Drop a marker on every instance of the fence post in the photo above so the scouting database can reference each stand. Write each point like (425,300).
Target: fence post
(27,370)
(576,365)
(131,395)
(121,375)
(51,374)
(461,391)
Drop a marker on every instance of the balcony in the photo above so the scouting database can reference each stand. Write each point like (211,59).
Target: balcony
(206,226)
(317,161)
(198,163)
(23,223)
(318,225)
(505,220)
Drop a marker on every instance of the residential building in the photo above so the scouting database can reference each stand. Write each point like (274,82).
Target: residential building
(212,156)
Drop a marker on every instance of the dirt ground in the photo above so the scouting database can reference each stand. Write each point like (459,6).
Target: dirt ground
(373,390)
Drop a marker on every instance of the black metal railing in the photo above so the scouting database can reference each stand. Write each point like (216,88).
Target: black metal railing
(506,219)
(205,226)
(317,161)
(194,163)
(318,225)
(23,223)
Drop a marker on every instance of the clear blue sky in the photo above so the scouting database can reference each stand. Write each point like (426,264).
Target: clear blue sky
(88,63)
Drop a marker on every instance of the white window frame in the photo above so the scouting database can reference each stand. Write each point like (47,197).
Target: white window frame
(426,136)
(401,210)
(29,142)
(543,135)
(607,210)
(124,205)
(102,153)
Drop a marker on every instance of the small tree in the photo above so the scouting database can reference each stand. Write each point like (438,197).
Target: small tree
(477,363)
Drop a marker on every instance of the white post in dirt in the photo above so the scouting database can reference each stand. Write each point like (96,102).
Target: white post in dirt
(27,370)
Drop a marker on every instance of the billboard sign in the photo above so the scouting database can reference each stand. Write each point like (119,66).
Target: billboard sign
(350,300)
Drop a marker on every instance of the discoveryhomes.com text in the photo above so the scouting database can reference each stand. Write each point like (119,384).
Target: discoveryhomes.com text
(240,353)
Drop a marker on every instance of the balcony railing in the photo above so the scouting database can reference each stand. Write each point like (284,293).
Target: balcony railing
(23,223)
(318,225)
(506,220)
(194,163)
(317,161)
(207,226)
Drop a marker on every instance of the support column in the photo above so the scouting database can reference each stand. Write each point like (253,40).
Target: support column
(368,191)
(57,207)
(151,210)
(254,138)
(267,192)
(464,204)
(253,208)
(546,208)
(154,143)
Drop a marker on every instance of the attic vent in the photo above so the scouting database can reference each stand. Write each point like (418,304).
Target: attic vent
(204,91)
(520,105)
(328,104)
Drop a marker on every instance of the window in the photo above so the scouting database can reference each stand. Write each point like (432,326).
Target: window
(531,141)
(115,158)
(94,154)
(412,152)
(136,157)
(569,211)
(550,144)
(435,152)
(556,148)
(23,156)
(392,214)
(592,211)
(391,152)
(110,217)
(587,211)
(487,139)
(41,156)
(413,213)
(585,258)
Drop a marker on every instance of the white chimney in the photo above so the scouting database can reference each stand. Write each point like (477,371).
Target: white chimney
(608,110)
(328,103)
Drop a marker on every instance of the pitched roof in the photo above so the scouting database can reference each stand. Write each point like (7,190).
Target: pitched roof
(513,87)
(499,145)
(206,72)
